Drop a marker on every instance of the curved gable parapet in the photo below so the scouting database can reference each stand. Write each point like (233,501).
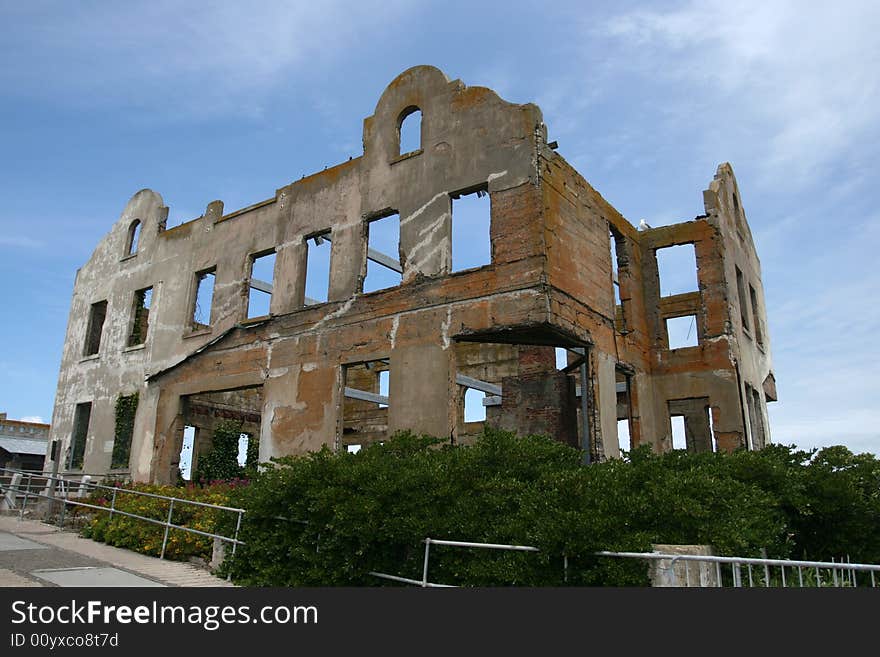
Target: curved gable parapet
(450,112)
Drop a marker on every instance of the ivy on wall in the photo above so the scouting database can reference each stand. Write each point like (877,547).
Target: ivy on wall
(126,407)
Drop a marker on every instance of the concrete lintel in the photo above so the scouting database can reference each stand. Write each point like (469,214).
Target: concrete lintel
(494,400)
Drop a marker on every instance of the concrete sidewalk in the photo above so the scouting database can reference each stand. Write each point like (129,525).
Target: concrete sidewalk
(36,554)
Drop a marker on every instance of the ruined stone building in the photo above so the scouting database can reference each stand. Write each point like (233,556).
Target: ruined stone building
(188,325)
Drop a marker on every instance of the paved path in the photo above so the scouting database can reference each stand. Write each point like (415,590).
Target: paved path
(36,554)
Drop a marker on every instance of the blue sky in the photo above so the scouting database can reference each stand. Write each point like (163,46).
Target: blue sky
(233,100)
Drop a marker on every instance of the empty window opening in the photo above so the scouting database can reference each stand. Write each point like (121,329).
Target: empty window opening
(471,222)
(679,441)
(204,298)
(244,440)
(561,354)
(140,317)
(474,410)
(623,440)
(741,293)
(186,452)
(383,248)
(756,417)
(353,449)
(97,315)
(615,265)
(365,407)
(712,430)
(383,386)
(677,268)
(317,269)
(260,286)
(756,316)
(681,332)
(81,417)
(134,236)
(410,130)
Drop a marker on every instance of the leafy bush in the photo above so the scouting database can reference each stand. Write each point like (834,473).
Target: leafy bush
(146,537)
(330,519)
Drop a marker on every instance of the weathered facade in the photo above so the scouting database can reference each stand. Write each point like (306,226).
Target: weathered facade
(304,374)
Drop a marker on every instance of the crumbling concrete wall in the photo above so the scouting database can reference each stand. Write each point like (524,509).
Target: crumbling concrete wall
(549,285)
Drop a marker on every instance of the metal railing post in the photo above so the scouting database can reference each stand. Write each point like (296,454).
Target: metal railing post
(425,566)
(167,528)
(234,545)
(113,503)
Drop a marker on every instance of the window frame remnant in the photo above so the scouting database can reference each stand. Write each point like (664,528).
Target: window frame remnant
(402,133)
(259,285)
(673,271)
(356,399)
(756,317)
(200,278)
(378,257)
(140,317)
(95,328)
(132,239)
(743,302)
(79,436)
(469,227)
(316,240)
(684,344)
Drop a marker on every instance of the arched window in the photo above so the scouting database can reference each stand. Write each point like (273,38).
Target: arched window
(409,130)
(134,234)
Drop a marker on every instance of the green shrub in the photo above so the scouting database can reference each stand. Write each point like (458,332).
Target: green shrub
(330,519)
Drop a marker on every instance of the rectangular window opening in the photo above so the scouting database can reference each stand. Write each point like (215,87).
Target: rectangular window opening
(741,294)
(623,439)
(97,315)
(317,269)
(383,252)
(677,268)
(353,449)
(561,354)
(471,223)
(78,438)
(260,285)
(682,332)
(140,320)
(203,300)
(187,450)
(756,317)
(712,430)
(679,440)
(365,407)
(244,440)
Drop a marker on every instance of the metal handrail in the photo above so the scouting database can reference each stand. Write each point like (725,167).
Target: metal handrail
(424,583)
(836,568)
(28,492)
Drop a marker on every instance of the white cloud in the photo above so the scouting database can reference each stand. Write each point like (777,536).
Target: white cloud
(800,76)
(33,418)
(169,57)
(20,242)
